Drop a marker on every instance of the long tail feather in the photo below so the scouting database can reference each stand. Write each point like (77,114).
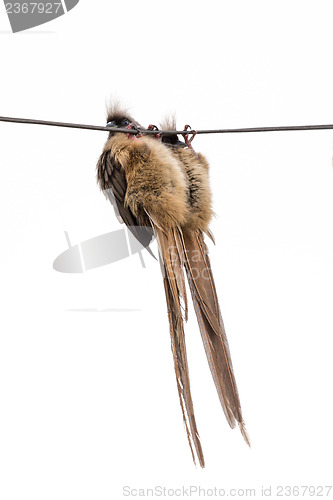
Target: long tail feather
(202,286)
(171,266)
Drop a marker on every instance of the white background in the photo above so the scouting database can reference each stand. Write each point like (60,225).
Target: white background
(88,399)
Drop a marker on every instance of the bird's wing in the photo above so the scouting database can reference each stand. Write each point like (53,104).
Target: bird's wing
(171,266)
(201,282)
(112,180)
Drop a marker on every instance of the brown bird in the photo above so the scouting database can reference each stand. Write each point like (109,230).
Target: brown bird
(163,188)
(112,178)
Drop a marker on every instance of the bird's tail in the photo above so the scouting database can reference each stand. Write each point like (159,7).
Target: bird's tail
(174,283)
(201,282)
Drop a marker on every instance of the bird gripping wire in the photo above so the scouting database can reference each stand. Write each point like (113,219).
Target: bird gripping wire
(165,132)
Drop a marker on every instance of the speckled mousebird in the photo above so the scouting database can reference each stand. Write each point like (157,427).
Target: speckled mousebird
(161,187)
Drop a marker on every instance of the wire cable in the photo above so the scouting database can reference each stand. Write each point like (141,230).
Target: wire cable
(165,132)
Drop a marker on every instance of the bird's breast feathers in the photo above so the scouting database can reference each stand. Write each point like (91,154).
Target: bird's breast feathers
(167,183)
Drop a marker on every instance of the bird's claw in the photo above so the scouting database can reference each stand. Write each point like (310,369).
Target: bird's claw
(132,126)
(153,127)
(187,133)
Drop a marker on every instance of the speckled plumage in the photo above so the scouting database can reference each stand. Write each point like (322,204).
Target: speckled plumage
(155,183)
(163,186)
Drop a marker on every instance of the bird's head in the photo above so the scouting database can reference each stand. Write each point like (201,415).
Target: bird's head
(118,117)
(171,140)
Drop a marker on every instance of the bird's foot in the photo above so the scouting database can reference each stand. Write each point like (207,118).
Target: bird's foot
(153,127)
(132,126)
(189,135)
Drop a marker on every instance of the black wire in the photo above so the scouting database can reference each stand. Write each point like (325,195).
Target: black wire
(266,129)
(165,132)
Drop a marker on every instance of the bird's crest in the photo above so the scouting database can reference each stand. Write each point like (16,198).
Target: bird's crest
(116,112)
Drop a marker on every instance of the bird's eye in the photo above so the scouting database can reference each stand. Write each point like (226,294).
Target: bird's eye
(111,124)
(125,122)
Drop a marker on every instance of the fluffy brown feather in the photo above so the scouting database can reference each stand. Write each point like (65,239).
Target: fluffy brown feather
(165,186)
(199,197)
(155,183)
(156,195)
(201,281)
